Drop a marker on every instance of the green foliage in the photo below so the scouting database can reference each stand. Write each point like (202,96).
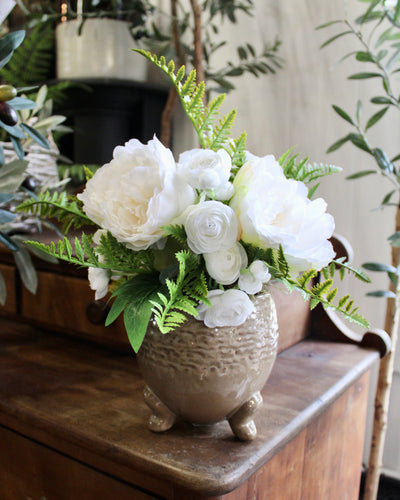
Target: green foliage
(212,134)
(108,254)
(304,171)
(379,52)
(322,292)
(177,232)
(118,257)
(134,298)
(266,62)
(249,59)
(66,209)
(325,292)
(82,255)
(8,44)
(33,60)
(12,173)
(236,148)
(184,294)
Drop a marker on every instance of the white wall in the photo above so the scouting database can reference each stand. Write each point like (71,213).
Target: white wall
(293,108)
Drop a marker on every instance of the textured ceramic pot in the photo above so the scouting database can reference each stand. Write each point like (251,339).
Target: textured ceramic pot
(205,375)
(100,50)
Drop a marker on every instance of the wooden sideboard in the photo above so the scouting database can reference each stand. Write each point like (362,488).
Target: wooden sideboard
(73,426)
(73,419)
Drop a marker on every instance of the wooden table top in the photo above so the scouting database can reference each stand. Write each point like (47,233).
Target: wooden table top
(86,401)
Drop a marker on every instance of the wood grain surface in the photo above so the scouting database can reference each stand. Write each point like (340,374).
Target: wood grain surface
(86,403)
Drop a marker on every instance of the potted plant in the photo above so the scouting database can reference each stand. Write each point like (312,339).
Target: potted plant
(188,247)
(27,163)
(94,37)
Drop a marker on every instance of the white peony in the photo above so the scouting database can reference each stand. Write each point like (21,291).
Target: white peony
(228,308)
(99,280)
(224,265)
(210,226)
(137,193)
(208,170)
(251,280)
(274,210)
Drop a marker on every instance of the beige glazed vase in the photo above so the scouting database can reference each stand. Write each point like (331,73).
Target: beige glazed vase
(205,375)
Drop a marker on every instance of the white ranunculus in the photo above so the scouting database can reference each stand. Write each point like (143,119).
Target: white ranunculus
(223,192)
(137,193)
(208,170)
(274,210)
(228,308)
(99,280)
(251,280)
(210,226)
(224,265)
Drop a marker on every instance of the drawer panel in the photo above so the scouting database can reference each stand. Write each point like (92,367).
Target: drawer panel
(66,303)
(9,275)
(29,470)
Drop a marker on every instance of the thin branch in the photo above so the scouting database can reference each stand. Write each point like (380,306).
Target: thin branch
(385,74)
(197,41)
(385,377)
(170,105)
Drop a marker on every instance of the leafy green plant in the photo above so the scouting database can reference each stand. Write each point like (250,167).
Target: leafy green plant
(377,32)
(171,44)
(13,173)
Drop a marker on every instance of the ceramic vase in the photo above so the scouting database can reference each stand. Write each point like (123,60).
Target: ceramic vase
(205,375)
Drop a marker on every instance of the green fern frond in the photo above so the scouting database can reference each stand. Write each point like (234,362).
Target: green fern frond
(221,132)
(64,251)
(177,232)
(117,256)
(306,278)
(237,151)
(342,266)
(332,294)
(66,209)
(314,171)
(33,60)
(304,171)
(343,301)
(321,288)
(210,134)
(184,294)
(324,293)
(114,255)
(282,263)
(211,113)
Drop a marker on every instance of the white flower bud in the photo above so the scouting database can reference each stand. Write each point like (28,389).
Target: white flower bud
(224,265)
(228,308)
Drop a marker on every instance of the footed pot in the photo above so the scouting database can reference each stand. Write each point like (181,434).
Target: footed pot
(205,375)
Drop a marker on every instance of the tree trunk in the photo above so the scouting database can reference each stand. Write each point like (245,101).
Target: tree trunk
(382,396)
(169,108)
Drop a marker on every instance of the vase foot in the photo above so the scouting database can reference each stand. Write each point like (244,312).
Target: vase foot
(242,423)
(162,418)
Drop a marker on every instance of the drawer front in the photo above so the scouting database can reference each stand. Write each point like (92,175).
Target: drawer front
(9,275)
(29,470)
(66,303)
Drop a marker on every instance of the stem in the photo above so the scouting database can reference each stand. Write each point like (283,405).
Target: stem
(198,43)
(390,177)
(170,105)
(392,321)
(385,75)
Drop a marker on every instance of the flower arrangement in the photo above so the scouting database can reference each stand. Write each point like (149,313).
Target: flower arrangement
(198,237)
